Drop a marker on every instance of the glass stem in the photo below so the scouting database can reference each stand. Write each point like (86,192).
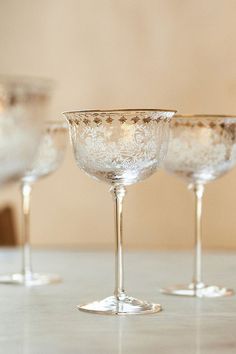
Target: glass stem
(118,193)
(26,189)
(198,190)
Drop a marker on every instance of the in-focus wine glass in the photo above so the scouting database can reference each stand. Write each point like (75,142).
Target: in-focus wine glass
(202,148)
(47,159)
(23,102)
(119,147)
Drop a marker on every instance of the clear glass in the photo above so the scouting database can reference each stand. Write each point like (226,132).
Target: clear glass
(23,102)
(119,147)
(202,148)
(47,160)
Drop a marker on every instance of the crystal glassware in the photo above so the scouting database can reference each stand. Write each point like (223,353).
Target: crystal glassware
(47,159)
(119,147)
(202,148)
(23,102)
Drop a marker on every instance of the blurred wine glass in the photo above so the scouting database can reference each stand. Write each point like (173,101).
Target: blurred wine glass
(202,148)
(48,158)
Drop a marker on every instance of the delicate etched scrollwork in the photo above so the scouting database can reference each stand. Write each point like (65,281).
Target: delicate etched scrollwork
(50,152)
(201,148)
(119,147)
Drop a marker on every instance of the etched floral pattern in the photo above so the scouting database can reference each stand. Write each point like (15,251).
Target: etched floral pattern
(201,150)
(123,147)
(50,152)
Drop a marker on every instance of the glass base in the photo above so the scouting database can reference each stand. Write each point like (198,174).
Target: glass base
(123,306)
(31,279)
(198,290)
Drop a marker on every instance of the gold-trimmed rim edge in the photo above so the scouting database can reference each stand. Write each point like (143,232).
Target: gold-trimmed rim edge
(120,110)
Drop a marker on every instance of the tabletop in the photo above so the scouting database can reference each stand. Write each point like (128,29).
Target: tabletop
(45,320)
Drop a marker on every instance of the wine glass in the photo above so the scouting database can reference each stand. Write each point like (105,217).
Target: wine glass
(47,159)
(202,148)
(23,102)
(119,147)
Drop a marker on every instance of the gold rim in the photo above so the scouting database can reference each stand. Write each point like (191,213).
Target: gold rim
(37,82)
(204,116)
(51,123)
(54,121)
(120,110)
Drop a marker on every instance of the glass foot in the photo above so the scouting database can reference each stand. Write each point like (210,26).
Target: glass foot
(32,279)
(123,306)
(199,290)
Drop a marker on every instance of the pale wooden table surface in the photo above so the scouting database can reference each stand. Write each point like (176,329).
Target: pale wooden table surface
(45,320)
